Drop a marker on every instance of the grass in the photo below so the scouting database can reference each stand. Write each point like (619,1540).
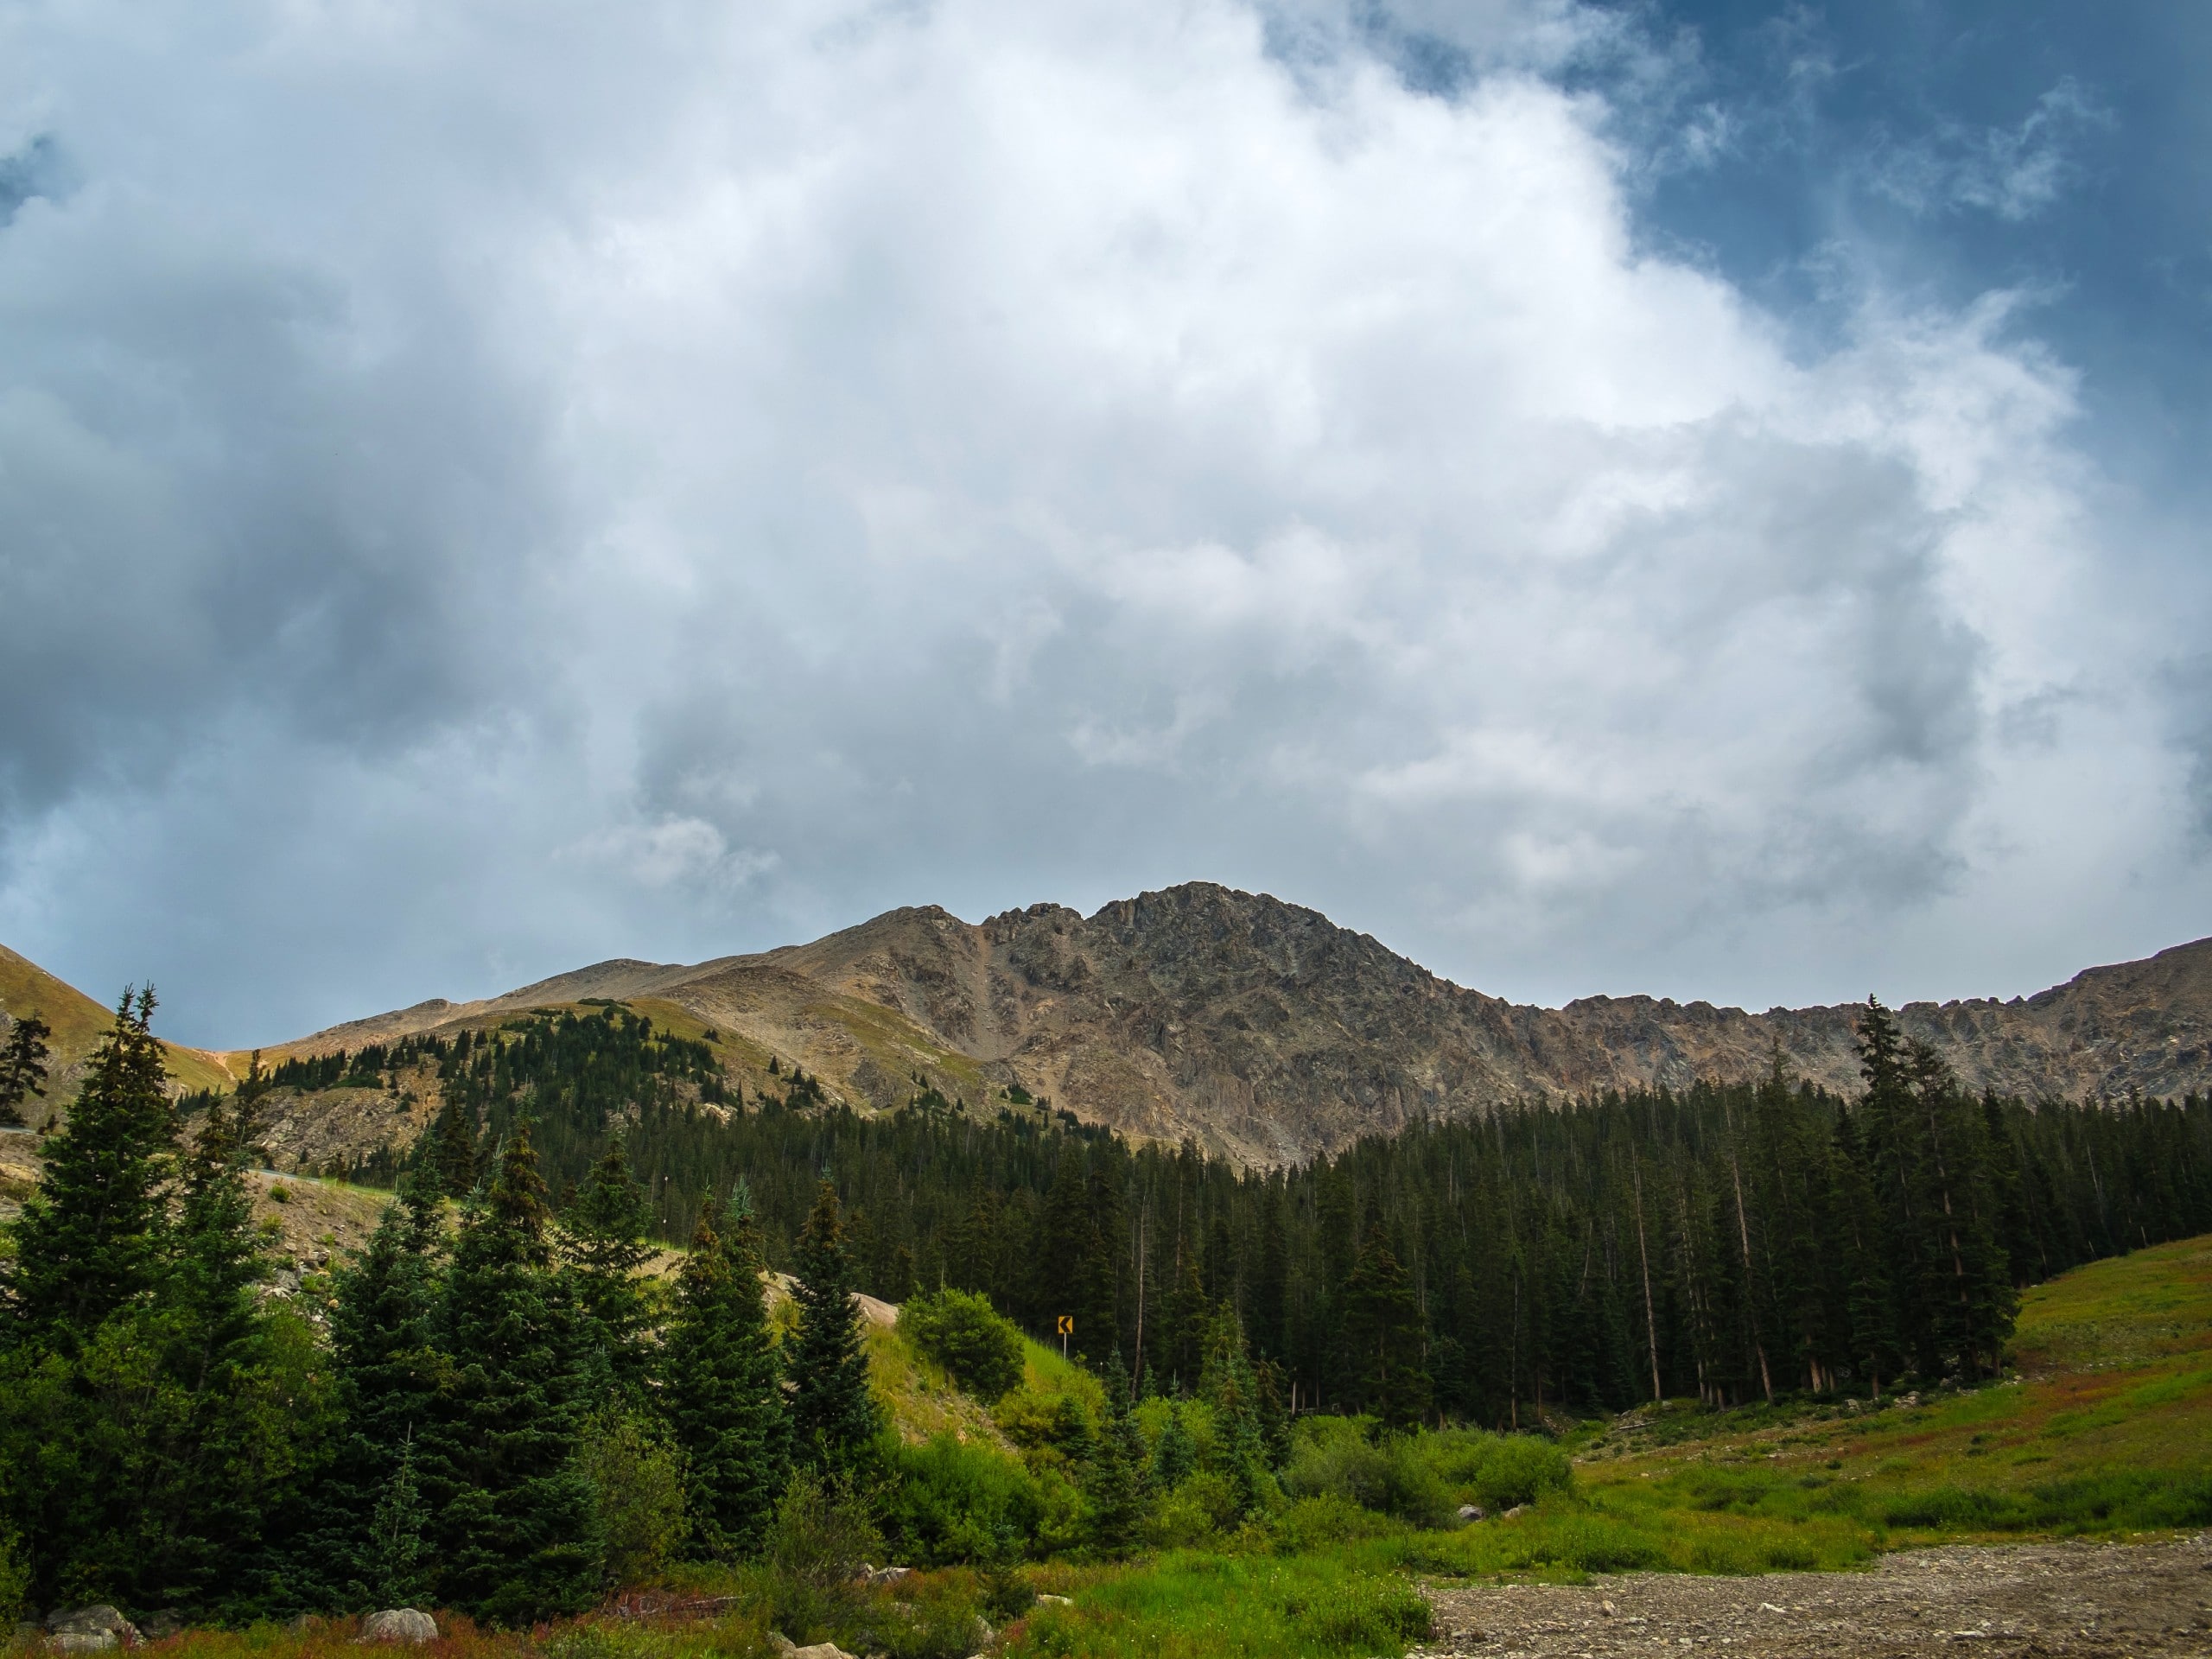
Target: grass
(78,1023)
(1191,1604)
(2107,1428)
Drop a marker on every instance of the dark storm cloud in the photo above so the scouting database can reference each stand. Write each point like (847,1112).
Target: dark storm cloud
(490,489)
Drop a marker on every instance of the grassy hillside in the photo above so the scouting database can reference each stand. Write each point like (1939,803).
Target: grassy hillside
(2107,1427)
(77,1021)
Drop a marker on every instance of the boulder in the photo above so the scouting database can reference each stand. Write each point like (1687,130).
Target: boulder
(820,1650)
(886,1574)
(408,1624)
(1054,1601)
(782,1646)
(1471,1512)
(89,1630)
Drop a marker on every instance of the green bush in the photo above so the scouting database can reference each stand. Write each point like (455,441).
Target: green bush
(952,1503)
(818,1540)
(1056,1424)
(940,1620)
(1308,1524)
(636,1479)
(1421,1478)
(1495,1470)
(1391,1480)
(962,1332)
(1200,1510)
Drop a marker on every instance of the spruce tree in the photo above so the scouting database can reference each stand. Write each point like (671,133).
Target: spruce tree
(23,1067)
(721,1387)
(345,1546)
(1229,1387)
(152,1410)
(94,1237)
(834,1417)
(1176,1458)
(604,1236)
(517,1531)
(1117,1476)
(1383,1331)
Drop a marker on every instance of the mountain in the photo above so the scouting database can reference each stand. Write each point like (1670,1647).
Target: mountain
(1267,1033)
(76,1021)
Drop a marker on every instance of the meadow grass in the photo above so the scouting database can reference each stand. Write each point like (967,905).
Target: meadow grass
(2106,1427)
(1203,1604)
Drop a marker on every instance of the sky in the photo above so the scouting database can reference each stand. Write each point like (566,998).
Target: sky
(1697,499)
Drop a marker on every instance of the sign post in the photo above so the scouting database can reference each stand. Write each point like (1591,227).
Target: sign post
(1067,1329)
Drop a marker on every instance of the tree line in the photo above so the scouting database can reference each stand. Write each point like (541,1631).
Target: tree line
(1726,1242)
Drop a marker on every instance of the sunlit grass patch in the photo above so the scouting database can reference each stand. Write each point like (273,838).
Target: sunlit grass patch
(1194,1605)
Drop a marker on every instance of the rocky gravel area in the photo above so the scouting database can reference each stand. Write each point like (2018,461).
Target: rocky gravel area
(2033,1598)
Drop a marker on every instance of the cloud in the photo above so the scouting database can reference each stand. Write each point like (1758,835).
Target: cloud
(2014,173)
(497,489)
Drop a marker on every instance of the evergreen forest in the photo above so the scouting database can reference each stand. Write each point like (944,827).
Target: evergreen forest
(495,1407)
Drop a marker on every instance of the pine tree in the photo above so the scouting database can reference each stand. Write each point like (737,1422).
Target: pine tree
(1183,1324)
(1117,1478)
(151,1410)
(517,1533)
(604,1236)
(23,1067)
(1229,1387)
(1176,1458)
(397,1575)
(1383,1331)
(834,1417)
(450,1151)
(381,1333)
(721,1388)
(94,1237)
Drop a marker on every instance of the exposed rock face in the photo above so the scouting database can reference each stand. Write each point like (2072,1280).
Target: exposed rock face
(1267,1033)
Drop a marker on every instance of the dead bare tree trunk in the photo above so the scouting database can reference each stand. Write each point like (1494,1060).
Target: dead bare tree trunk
(1650,1319)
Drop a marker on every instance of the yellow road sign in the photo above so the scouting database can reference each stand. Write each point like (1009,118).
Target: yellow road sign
(1067,1324)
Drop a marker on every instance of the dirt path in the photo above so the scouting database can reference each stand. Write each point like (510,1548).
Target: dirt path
(2034,1599)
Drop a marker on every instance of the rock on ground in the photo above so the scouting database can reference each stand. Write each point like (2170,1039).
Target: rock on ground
(2042,1599)
(89,1630)
(407,1625)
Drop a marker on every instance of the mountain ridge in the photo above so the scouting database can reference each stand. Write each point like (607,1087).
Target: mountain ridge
(1266,1034)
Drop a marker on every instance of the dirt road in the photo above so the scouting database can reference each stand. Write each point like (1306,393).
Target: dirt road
(2115,1599)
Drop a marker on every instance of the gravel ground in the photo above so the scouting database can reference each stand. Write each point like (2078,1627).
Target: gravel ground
(2035,1598)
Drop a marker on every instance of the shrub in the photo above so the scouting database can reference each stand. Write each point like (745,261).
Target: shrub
(1054,1423)
(636,1479)
(1315,1523)
(821,1536)
(1495,1470)
(962,1332)
(1391,1480)
(939,1620)
(953,1502)
(1199,1510)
